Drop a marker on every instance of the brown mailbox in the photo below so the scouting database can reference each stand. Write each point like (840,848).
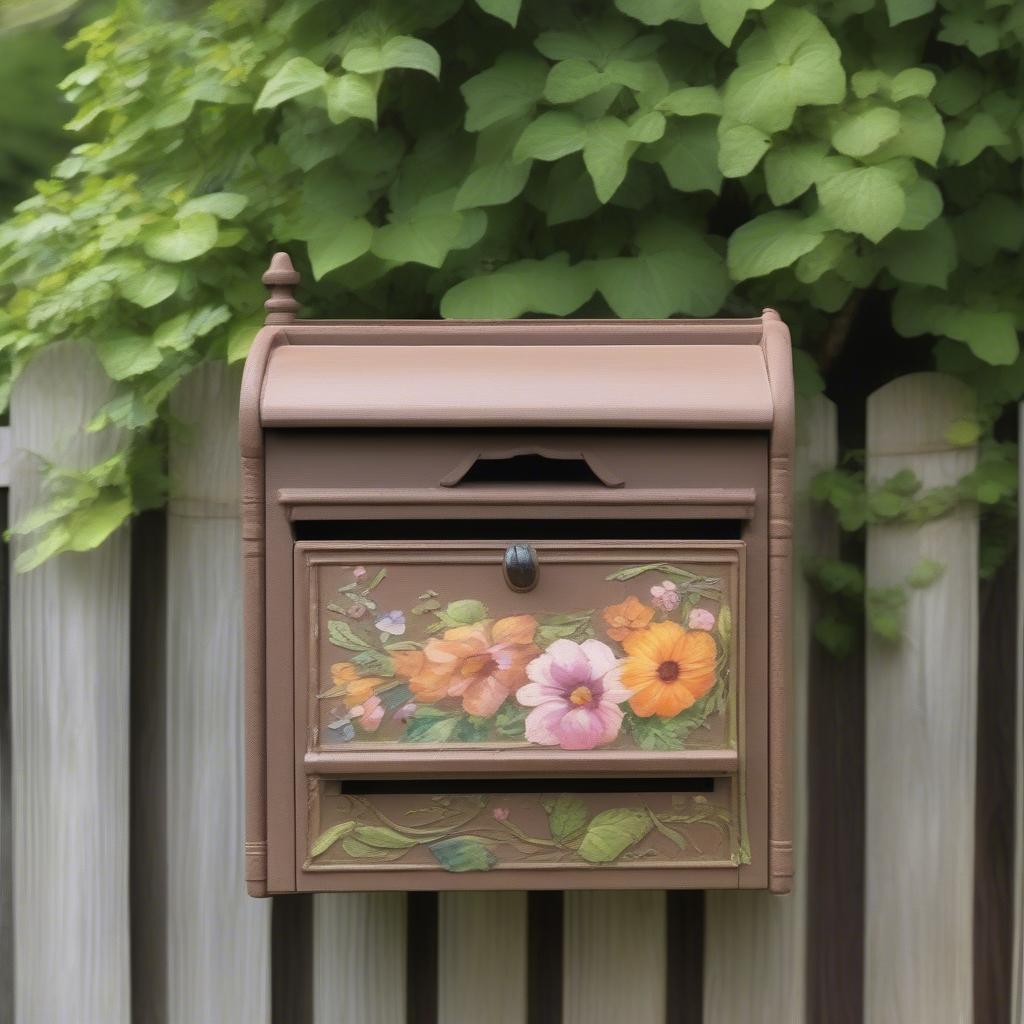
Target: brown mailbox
(517,602)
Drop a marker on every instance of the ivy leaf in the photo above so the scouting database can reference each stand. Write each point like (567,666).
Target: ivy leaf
(791,170)
(496,178)
(923,205)
(968,140)
(397,52)
(554,134)
(551,286)
(675,271)
(958,90)
(509,89)
(241,337)
(925,573)
(612,832)
(428,231)
(912,82)
(906,10)
(689,156)
(606,154)
(692,101)
(770,242)
(964,28)
(127,355)
(865,200)
(657,12)
(740,147)
(925,257)
(339,244)
(225,205)
(724,17)
(148,287)
(184,239)
(921,134)
(349,96)
(862,133)
(992,337)
(90,525)
(572,80)
(295,78)
(506,10)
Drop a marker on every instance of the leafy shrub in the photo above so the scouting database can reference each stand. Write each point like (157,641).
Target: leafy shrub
(487,158)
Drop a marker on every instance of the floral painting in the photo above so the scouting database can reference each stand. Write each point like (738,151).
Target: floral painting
(643,672)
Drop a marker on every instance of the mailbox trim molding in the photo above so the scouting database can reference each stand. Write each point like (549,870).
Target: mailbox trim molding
(767,332)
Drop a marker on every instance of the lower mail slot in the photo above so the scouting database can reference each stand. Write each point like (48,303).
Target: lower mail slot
(523,825)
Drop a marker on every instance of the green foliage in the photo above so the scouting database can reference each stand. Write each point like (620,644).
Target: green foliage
(501,158)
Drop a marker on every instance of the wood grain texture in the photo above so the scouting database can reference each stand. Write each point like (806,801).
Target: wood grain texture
(920,724)
(759,935)
(359,958)
(70,729)
(218,938)
(482,958)
(614,958)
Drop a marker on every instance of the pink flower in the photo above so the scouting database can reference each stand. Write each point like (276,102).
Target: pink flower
(575,693)
(701,618)
(665,595)
(359,572)
(369,714)
(500,813)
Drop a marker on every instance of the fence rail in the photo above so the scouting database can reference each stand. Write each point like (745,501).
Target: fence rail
(121,791)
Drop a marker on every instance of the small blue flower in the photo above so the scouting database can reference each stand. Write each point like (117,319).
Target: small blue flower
(392,623)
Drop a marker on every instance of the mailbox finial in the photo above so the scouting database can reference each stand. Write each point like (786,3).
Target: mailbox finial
(281,278)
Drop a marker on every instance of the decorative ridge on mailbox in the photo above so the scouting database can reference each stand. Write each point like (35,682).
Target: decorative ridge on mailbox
(516,602)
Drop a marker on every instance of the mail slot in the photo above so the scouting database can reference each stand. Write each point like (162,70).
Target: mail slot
(516,602)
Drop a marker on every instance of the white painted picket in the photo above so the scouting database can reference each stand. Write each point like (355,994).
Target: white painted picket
(758,935)
(1017,1007)
(69,724)
(920,723)
(218,938)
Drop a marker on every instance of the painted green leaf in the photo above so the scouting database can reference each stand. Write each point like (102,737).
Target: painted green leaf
(862,133)
(463,853)
(397,52)
(905,10)
(655,733)
(567,817)
(351,95)
(509,89)
(789,171)
(692,101)
(770,242)
(689,155)
(466,612)
(360,851)
(431,725)
(506,10)
(552,286)
(510,721)
(296,77)
(182,239)
(150,286)
(338,244)
(383,837)
(329,837)
(554,134)
(724,17)
(341,634)
(127,355)
(612,832)
(865,200)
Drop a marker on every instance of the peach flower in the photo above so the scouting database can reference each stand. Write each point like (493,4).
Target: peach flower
(482,663)
(624,618)
(350,685)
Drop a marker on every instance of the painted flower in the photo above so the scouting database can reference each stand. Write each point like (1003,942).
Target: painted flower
(575,694)
(392,623)
(501,813)
(342,726)
(405,712)
(624,618)
(668,668)
(352,687)
(482,663)
(369,714)
(701,618)
(359,571)
(665,595)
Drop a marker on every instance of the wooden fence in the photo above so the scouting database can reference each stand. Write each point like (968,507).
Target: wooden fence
(121,894)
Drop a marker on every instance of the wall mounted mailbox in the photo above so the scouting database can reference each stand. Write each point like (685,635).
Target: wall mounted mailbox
(517,602)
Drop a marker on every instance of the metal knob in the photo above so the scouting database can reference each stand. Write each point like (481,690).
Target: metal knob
(521,567)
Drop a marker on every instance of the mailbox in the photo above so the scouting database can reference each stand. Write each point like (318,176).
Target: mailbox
(517,602)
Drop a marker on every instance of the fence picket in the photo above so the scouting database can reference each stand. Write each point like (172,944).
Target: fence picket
(218,939)
(1017,1009)
(920,722)
(69,718)
(758,935)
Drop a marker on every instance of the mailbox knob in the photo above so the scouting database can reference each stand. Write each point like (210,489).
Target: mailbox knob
(521,568)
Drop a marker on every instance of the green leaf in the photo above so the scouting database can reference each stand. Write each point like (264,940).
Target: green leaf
(925,257)
(921,134)
(724,17)
(427,232)
(506,10)
(127,355)
(964,28)
(148,287)
(397,52)
(551,286)
(339,244)
(770,242)
(912,82)
(298,76)
(905,10)
(383,838)
(925,573)
(675,271)
(349,96)
(612,832)
(692,101)
(183,239)
(463,853)
(963,433)
(241,337)
(924,204)
(572,80)
(862,133)
(657,12)
(329,837)
(492,185)
(791,170)
(958,90)
(606,154)
(865,200)
(341,634)
(90,525)
(509,89)
(992,337)
(225,205)
(966,141)
(689,155)
(466,612)
(567,817)
(554,134)
(740,147)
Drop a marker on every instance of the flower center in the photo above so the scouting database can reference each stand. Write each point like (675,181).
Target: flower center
(580,696)
(668,671)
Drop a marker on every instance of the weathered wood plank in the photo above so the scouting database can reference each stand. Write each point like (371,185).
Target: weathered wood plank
(6,820)
(920,722)
(757,936)
(1017,1009)
(70,730)
(482,958)
(360,961)
(614,958)
(218,939)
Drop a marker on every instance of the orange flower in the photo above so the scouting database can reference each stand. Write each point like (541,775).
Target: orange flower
(624,618)
(668,668)
(350,685)
(482,663)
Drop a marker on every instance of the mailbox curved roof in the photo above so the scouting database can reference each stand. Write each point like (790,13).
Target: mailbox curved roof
(709,374)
